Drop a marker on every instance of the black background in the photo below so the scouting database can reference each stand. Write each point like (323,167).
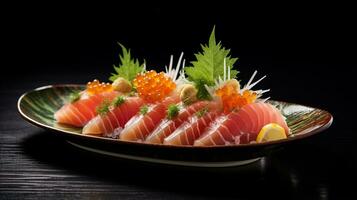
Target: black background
(307,51)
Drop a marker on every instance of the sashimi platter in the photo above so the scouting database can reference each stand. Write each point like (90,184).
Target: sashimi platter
(200,110)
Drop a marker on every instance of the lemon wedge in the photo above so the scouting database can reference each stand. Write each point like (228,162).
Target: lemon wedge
(271,132)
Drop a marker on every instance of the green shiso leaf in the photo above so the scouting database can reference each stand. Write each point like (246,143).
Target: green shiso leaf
(128,67)
(209,66)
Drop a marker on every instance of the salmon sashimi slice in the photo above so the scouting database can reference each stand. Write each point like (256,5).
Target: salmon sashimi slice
(141,125)
(81,111)
(192,129)
(168,126)
(112,122)
(241,127)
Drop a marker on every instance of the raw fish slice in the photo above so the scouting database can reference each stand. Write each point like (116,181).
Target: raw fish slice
(114,119)
(243,126)
(220,132)
(81,111)
(254,113)
(167,126)
(263,119)
(189,131)
(140,126)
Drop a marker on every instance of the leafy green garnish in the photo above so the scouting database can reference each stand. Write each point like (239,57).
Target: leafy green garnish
(118,101)
(209,66)
(202,112)
(172,111)
(144,109)
(128,67)
(202,92)
(133,91)
(74,96)
(103,108)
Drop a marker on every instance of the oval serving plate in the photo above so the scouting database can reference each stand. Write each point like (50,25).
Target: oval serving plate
(39,105)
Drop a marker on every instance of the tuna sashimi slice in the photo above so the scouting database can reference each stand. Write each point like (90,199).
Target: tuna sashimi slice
(114,119)
(168,126)
(192,129)
(241,127)
(81,111)
(140,126)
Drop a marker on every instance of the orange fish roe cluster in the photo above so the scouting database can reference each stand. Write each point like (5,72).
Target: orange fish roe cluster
(95,87)
(232,99)
(153,86)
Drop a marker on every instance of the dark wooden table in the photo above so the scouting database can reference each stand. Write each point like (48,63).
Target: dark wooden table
(35,164)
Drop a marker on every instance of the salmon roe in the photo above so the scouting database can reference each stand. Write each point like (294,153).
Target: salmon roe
(232,99)
(95,87)
(153,86)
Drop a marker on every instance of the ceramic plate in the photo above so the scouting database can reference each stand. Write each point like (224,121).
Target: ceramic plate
(38,106)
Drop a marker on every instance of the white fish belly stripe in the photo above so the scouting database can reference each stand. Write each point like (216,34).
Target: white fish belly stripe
(141,131)
(249,118)
(115,117)
(110,123)
(97,123)
(204,122)
(87,108)
(73,114)
(172,128)
(152,123)
(253,116)
(134,130)
(185,134)
(118,114)
(96,100)
(189,112)
(220,136)
(232,122)
(102,123)
(196,133)
(227,129)
(199,131)
(127,109)
(193,127)
(65,115)
(84,119)
(211,139)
